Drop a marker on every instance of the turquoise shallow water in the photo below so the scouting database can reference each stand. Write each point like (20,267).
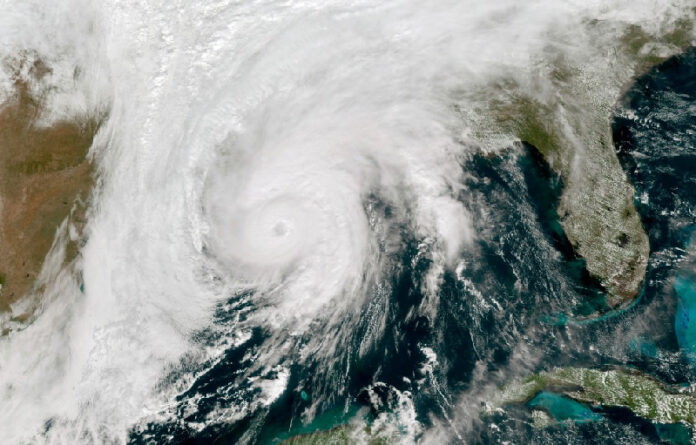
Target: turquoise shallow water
(685,317)
(518,277)
(656,143)
(562,408)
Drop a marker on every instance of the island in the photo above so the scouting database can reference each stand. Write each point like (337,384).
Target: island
(564,109)
(643,395)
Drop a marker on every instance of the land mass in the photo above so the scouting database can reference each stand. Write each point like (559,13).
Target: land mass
(564,108)
(45,178)
(570,125)
(614,387)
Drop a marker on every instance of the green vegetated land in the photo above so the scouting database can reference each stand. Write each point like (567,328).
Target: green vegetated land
(564,107)
(643,395)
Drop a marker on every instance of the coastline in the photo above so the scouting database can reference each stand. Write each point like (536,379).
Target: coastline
(46,179)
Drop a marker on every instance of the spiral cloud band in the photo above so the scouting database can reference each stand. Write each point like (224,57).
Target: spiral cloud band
(268,154)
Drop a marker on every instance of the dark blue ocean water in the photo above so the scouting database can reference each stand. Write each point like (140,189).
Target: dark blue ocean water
(654,132)
(522,302)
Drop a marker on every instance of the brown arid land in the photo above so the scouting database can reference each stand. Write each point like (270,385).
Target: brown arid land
(45,178)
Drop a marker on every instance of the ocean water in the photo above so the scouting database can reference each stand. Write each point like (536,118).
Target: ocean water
(563,408)
(295,226)
(656,144)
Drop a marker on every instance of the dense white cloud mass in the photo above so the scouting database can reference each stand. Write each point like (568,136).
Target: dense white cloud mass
(241,144)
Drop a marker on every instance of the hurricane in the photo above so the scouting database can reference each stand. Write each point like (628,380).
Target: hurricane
(297,211)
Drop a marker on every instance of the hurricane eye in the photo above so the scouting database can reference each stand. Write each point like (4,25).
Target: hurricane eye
(280,229)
